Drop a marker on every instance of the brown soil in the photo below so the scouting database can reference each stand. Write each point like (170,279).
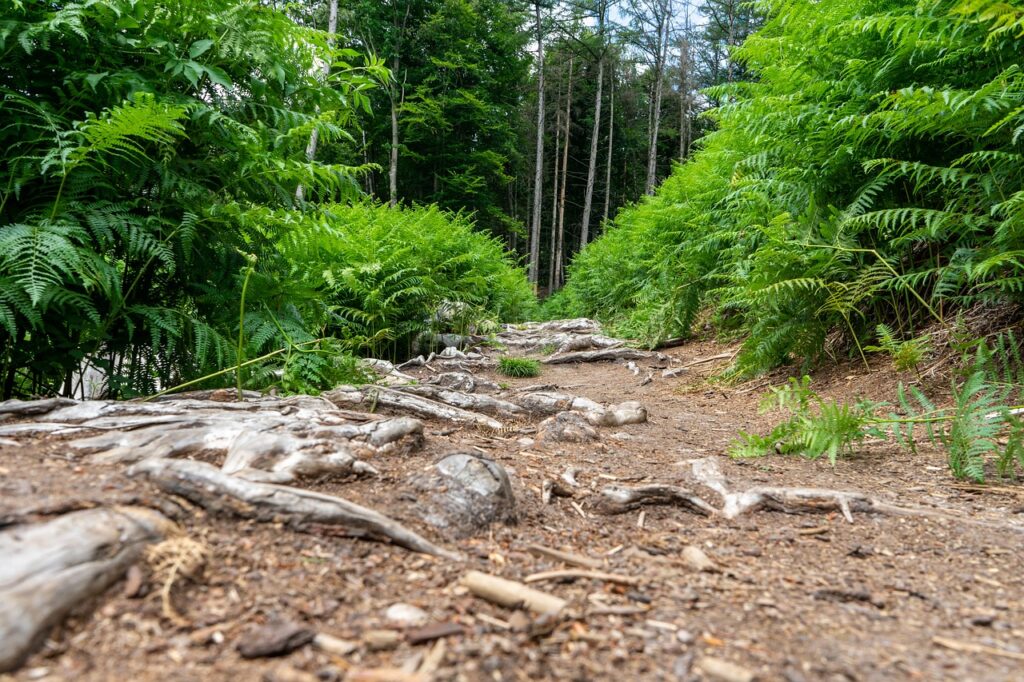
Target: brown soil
(799,597)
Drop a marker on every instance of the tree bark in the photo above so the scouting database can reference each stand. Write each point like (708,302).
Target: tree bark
(611,133)
(659,75)
(539,162)
(559,277)
(314,137)
(588,196)
(554,191)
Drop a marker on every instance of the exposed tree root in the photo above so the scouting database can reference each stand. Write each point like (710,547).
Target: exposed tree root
(466,401)
(603,355)
(50,568)
(705,471)
(618,500)
(222,493)
(374,396)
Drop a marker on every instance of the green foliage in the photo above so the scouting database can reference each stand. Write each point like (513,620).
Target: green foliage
(906,355)
(518,367)
(146,146)
(386,276)
(872,173)
(815,427)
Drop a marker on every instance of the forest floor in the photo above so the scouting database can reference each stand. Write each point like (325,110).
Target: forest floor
(792,596)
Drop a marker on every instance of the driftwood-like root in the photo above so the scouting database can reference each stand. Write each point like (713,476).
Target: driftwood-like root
(400,401)
(603,355)
(619,500)
(223,493)
(50,568)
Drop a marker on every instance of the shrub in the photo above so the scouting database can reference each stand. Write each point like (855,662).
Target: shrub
(518,367)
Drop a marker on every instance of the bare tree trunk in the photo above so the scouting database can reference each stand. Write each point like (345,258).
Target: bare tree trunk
(554,192)
(588,197)
(393,164)
(559,278)
(684,99)
(611,133)
(314,137)
(659,75)
(539,163)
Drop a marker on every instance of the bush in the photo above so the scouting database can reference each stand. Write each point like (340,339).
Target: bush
(386,275)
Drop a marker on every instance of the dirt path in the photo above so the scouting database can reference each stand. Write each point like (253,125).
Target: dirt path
(793,597)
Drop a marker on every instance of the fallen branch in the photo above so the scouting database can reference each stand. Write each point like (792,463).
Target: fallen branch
(972,648)
(511,594)
(222,493)
(50,568)
(565,557)
(576,573)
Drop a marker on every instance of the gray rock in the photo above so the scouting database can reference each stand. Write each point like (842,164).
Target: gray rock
(566,427)
(276,638)
(465,493)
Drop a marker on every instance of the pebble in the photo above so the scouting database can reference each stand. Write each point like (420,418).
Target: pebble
(405,615)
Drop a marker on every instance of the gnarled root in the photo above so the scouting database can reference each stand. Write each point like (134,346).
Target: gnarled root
(222,493)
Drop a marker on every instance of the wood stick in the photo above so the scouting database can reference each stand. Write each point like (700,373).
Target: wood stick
(511,594)
(972,648)
(566,557)
(577,573)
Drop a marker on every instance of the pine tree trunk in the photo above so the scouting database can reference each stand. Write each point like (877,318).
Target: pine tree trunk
(393,163)
(588,196)
(314,137)
(652,150)
(538,173)
(553,245)
(559,278)
(611,133)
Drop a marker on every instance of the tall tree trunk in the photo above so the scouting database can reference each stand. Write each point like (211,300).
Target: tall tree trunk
(588,196)
(393,161)
(553,245)
(559,278)
(611,133)
(684,99)
(314,137)
(659,79)
(538,170)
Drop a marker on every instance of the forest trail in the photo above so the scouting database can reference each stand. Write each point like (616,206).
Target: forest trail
(679,595)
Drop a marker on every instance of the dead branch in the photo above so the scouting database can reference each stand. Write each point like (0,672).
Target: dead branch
(577,573)
(511,594)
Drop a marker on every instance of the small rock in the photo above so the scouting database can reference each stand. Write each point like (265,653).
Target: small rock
(723,671)
(276,638)
(674,372)
(685,636)
(519,621)
(405,615)
(465,493)
(381,640)
(525,442)
(334,645)
(697,560)
(566,427)
(631,412)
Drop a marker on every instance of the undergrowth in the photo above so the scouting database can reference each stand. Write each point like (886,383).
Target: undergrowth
(518,367)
